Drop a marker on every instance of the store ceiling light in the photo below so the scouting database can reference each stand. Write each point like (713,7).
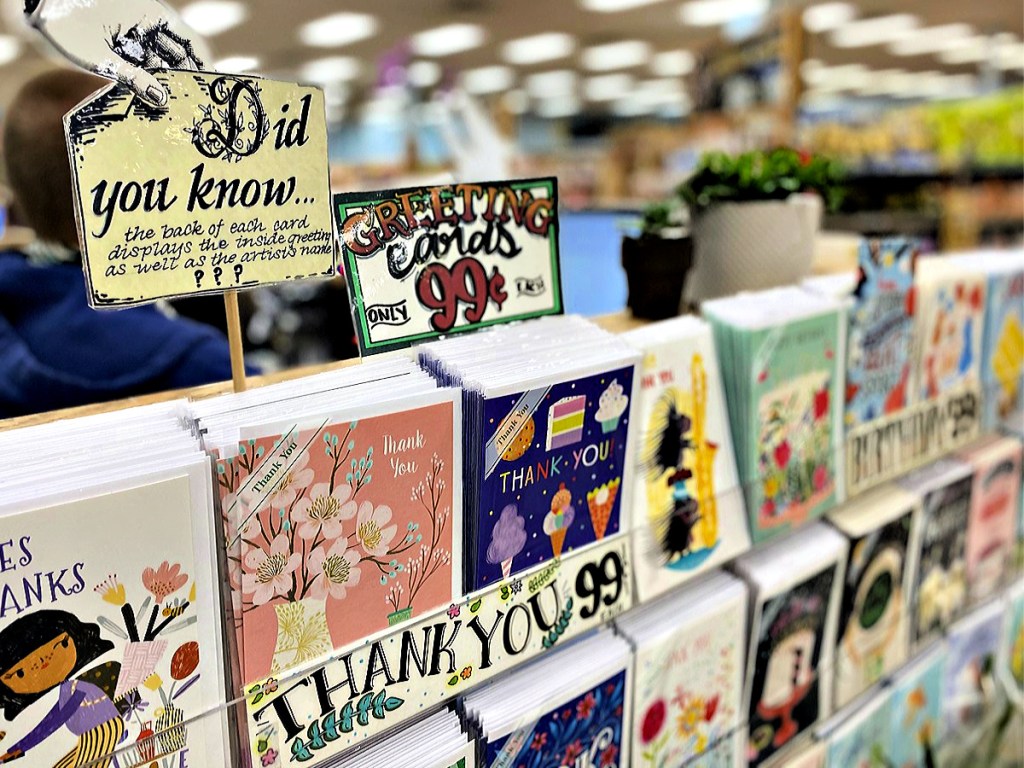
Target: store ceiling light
(556,83)
(930,39)
(488,79)
(619,55)
(970,50)
(448,40)
(516,101)
(708,13)
(876,31)
(211,17)
(236,64)
(338,29)
(9,49)
(632,107)
(673,63)
(827,16)
(558,108)
(424,74)
(614,6)
(811,70)
(535,49)
(607,87)
(330,69)
(1010,56)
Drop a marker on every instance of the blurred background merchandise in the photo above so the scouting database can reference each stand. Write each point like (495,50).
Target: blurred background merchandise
(921,102)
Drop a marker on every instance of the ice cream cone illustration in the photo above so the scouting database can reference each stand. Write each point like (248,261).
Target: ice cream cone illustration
(507,539)
(601,500)
(559,519)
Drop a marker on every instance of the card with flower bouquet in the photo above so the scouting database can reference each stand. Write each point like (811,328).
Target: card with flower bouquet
(688,680)
(782,353)
(109,641)
(569,708)
(343,520)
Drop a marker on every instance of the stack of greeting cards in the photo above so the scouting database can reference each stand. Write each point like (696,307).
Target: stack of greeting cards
(915,711)
(1002,351)
(437,741)
(687,504)
(547,423)
(782,355)
(570,708)
(881,527)
(995,506)
(939,596)
(340,500)
(690,651)
(1012,655)
(796,588)
(110,635)
(950,308)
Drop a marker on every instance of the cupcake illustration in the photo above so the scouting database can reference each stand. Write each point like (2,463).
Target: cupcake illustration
(507,539)
(610,407)
(558,520)
(601,500)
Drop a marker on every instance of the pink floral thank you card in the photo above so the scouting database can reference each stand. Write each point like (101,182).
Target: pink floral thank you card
(338,531)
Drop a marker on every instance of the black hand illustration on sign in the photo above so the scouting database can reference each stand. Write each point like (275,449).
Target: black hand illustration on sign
(120,40)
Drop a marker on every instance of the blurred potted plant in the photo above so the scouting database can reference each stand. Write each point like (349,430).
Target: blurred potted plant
(755,217)
(657,261)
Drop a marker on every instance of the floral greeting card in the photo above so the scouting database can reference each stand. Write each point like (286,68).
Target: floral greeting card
(104,641)
(795,460)
(584,732)
(343,531)
(554,460)
(688,695)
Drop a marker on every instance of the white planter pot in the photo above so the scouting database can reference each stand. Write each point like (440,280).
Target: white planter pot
(753,246)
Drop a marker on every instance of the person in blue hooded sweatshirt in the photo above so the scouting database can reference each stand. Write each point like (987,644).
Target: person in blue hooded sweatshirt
(55,351)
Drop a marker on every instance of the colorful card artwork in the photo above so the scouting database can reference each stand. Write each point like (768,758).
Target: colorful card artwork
(350,519)
(687,505)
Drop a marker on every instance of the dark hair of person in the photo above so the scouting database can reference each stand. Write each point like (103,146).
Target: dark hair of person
(27,633)
(36,155)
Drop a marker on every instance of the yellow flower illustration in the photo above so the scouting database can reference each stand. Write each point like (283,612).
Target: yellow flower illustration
(771,487)
(153,682)
(111,590)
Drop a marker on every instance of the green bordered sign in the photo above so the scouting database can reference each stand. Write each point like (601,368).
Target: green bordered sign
(431,261)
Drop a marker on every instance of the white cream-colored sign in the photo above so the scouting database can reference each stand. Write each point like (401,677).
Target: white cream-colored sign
(889,447)
(224,187)
(312,715)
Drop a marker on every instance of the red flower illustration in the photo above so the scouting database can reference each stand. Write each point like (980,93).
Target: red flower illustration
(820,403)
(654,719)
(609,755)
(768,508)
(185,660)
(710,707)
(782,454)
(572,751)
(539,740)
(586,706)
(820,478)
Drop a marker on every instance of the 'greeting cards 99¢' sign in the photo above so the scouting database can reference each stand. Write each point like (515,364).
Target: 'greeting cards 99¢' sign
(425,262)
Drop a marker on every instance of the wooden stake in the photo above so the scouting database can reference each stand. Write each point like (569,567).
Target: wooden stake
(235,340)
